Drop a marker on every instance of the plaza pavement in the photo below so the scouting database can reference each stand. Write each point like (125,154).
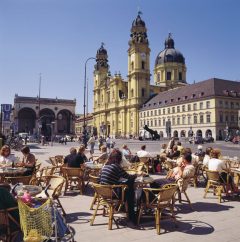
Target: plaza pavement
(209,222)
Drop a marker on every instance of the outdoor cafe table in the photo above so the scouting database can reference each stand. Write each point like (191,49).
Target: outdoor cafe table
(93,166)
(9,171)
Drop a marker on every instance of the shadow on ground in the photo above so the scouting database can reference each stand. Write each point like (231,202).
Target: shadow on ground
(79,217)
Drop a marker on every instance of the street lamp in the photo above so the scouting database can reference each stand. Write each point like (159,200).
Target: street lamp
(84,102)
(52,132)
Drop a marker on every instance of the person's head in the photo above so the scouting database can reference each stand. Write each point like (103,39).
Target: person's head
(124,146)
(103,148)
(215,153)
(73,151)
(115,157)
(175,148)
(200,147)
(209,150)
(187,158)
(5,151)
(81,149)
(188,150)
(25,150)
(179,143)
(143,147)
(164,146)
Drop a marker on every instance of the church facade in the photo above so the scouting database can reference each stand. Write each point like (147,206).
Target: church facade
(117,101)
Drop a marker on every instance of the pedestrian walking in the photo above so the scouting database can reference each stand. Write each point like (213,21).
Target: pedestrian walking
(91,142)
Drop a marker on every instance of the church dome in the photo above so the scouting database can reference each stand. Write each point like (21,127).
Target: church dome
(169,54)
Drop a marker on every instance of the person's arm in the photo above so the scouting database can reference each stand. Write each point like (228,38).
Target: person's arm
(30,162)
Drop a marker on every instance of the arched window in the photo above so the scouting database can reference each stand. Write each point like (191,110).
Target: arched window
(143,65)
(132,65)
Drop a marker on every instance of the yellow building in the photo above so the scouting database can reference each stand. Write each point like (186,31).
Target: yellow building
(117,101)
(207,107)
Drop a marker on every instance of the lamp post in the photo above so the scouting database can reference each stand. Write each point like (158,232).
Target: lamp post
(84,102)
(52,132)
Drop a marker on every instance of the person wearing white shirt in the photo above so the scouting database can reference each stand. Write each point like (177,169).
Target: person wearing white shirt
(143,153)
(207,156)
(6,158)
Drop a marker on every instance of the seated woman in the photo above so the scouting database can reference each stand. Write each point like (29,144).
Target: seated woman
(6,158)
(216,164)
(103,157)
(28,161)
(111,174)
(126,152)
(174,153)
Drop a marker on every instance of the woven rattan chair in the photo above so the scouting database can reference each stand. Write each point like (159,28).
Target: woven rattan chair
(73,175)
(158,199)
(93,180)
(214,185)
(110,197)
(7,222)
(54,191)
(182,189)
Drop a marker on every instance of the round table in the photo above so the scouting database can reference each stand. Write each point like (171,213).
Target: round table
(9,171)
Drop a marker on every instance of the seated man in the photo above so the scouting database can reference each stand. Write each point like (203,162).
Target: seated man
(174,153)
(185,170)
(79,159)
(71,157)
(103,157)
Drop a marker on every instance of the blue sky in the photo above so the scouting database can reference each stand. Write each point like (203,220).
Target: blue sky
(55,37)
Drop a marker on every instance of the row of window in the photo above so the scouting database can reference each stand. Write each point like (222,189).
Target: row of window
(227,118)
(178,121)
(227,104)
(169,76)
(178,109)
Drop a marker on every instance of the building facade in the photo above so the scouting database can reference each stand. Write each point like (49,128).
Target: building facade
(207,108)
(117,101)
(80,122)
(42,116)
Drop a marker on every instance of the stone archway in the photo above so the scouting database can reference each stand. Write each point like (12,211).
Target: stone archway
(175,133)
(208,133)
(46,117)
(26,120)
(64,122)
(183,133)
(199,132)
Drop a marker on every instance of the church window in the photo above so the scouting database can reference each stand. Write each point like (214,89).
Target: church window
(143,65)
(143,92)
(180,76)
(169,75)
(132,65)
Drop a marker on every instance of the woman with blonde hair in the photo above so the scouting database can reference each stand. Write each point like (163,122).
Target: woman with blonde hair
(6,158)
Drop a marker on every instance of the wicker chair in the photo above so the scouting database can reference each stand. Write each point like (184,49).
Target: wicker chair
(7,221)
(214,184)
(182,189)
(93,180)
(109,198)
(73,175)
(159,199)
(54,191)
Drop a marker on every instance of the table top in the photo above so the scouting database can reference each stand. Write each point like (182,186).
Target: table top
(31,189)
(93,165)
(10,170)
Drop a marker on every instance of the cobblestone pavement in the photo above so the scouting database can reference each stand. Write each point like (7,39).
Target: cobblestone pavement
(208,222)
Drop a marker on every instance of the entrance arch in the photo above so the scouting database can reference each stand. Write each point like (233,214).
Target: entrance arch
(175,133)
(208,133)
(199,133)
(183,133)
(26,120)
(64,121)
(46,117)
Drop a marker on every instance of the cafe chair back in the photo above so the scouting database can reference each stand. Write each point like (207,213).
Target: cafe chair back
(73,176)
(158,199)
(110,197)
(9,226)
(214,184)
